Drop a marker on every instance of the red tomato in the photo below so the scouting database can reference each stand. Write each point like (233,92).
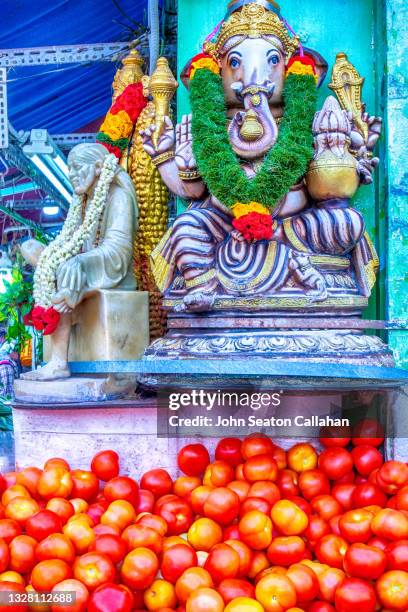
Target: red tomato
(355,525)
(255,529)
(366,459)
(260,467)
(231,588)
(279,454)
(43,524)
(176,560)
(154,522)
(157,481)
(379,543)
(222,505)
(198,497)
(139,568)
(240,487)
(94,569)
(335,436)
(97,509)
(56,546)
(329,579)
(343,493)
(316,529)
(11,589)
(22,554)
(254,503)
(331,549)
(390,524)
(111,597)
(105,465)
(142,535)
(193,459)
(397,555)
(320,606)
(222,562)
(86,485)
(326,506)
(362,561)
(256,444)
(177,514)
(62,507)
(355,594)
(305,582)
(111,545)
(287,482)
(46,574)
(145,502)
(81,596)
(229,450)
(348,478)
(286,550)
(368,494)
(9,529)
(265,489)
(401,499)
(55,482)
(4,555)
(335,462)
(231,533)
(368,432)
(245,556)
(218,474)
(392,590)
(313,483)
(121,487)
(392,476)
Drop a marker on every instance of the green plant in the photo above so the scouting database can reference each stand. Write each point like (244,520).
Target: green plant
(16,302)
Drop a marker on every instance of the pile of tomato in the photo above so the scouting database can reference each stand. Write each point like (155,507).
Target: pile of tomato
(255,529)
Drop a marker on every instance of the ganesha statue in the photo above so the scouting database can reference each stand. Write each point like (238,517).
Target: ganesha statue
(270,230)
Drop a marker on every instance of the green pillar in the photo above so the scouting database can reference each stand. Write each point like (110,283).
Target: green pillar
(396,81)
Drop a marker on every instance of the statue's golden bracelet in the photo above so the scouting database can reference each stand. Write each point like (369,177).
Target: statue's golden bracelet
(162,158)
(189,175)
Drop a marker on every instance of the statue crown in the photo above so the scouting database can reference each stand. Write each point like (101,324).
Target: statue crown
(252,21)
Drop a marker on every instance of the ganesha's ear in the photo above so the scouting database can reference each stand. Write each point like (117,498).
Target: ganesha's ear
(185,74)
(320,63)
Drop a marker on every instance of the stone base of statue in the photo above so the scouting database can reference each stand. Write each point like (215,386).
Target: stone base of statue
(279,328)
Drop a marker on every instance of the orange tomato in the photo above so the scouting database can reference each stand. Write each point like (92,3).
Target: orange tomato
(259,563)
(80,534)
(21,508)
(218,474)
(46,574)
(28,478)
(190,580)
(260,467)
(204,533)
(160,594)
(94,569)
(329,579)
(244,604)
(265,490)
(139,568)
(392,590)
(256,444)
(22,554)
(185,485)
(62,507)
(255,529)
(205,600)
(289,518)
(141,535)
(57,462)
(390,524)
(56,546)
(245,556)
(12,576)
(16,490)
(305,582)
(120,513)
(198,497)
(154,521)
(222,505)
(55,482)
(276,593)
(78,589)
(240,487)
(302,457)
(80,505)
(331,549)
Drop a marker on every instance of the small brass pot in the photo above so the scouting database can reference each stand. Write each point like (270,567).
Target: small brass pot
(330,176)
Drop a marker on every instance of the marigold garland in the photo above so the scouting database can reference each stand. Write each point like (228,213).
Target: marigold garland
(285,163)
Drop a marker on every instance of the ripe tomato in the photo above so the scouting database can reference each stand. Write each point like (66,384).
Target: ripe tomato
(15,490)
(255,529)
(177,514)
(218,474)
(142,535)
(254,503)
(256,444)
(139,568)
(343,493)
(368,494)
(355,594)
(111,597)
(392,590)
(94,569)
(46,574)
(4,555)
(6,589)
(362,561)
(326,506)
(222,562)
(231,533)
(80,534)
(245,556)
(288,518)
(355,525)
(302,457)
(390,524)
(55,482)
(22,554)
(205,600)
(316,529)
(276,593)
(313,483)
(184,485)
(331,549)
(81,596)
(56,546)
(287,482)
(335,462)
(21,508)
(120,513)
(240,487)
(244,604)
(43,524)
(204,533)
(158,481)
(105,465)
(193,459)
(198,497)
(153,521)
(96,510)
(329,580)
(160,595)
(9,529)
(176,560)
(121,487)
(392,476)
(368,432)
(397,555)
(28,478)
(232,588)
(260,467)
(317,606)
(366,459)
(229,450)
(286,550)
(222,505)
(61,507)
(305,582)
(335,436)
(110,545)
(57,462)
(145,501)
(192,579)
(86,484)
(265,490)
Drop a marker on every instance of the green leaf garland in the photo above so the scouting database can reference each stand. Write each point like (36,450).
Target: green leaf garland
(284,165)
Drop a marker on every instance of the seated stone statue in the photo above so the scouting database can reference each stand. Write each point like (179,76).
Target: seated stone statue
(93,251)
(244,160)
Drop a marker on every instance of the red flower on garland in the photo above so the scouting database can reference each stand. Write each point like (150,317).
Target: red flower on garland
(254,226)
(113,149)
(130,100)
(43,319)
